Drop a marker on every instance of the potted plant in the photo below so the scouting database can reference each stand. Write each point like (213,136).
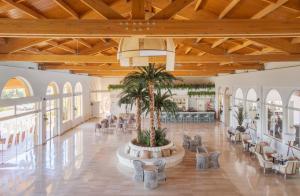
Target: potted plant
(240,116)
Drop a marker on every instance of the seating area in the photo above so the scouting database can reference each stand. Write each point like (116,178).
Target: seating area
(266,156)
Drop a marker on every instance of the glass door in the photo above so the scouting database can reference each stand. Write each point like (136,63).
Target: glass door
(51,119)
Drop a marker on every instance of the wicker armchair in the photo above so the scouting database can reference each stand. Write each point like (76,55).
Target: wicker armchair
(289,168)
(186,141)
(265,164)
(138,170)
(214,159)
(161,164)
(202,161)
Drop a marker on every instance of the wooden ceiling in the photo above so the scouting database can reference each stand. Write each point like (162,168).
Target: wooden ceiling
(211,36)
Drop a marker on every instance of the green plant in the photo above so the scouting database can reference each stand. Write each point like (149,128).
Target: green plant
(208,86)
(240,116)
(201,93)
(153,78)
(162,103)
(160,138)
(134,93)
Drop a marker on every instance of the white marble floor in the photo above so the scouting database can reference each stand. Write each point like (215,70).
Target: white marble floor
(84,163)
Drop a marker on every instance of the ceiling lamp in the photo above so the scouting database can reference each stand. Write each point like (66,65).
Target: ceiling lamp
(136,51)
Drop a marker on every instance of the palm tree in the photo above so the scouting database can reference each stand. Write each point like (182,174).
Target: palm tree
(162,102)
(134,94)
(153,78)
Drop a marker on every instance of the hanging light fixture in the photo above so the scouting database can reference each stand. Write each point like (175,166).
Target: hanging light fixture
(136,51)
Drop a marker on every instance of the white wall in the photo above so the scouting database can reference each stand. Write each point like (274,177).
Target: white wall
(285,80)
(39,81)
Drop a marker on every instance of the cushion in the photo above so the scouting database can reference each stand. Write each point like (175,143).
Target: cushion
(166,152)
(134,153)
(156,154)
(145,154)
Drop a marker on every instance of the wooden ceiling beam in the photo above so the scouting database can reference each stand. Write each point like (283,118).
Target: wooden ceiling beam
(239,47)
(280,44)
(14,45)
(102,9)
(183,67)
(83,42)
(296,40)
(169,11)
(228,8)
(24,9)
(200,4)
(61,46)
(67,8)
(270,8)
(219,42)
(292,5)
(99,47)
(158,28)
(138,9)
(179,59)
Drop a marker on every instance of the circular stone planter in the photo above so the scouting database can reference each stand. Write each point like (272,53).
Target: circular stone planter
(126,158)
(151,149)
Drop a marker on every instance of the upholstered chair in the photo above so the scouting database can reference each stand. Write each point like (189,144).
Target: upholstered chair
(265,164)
(214,159)
(161,164)
(97,126)
(244,143)
(267,151)
(186,141)
(198,140)
(202,161)
(289,168)
(138,170)
(201,149)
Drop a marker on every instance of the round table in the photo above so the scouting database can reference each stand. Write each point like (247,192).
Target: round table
(150,177)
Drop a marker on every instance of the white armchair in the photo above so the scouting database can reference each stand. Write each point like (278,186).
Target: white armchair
(265,164)
(289,168)
(267,150)
(244,143)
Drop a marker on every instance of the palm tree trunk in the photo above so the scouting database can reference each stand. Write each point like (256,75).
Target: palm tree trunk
(151,109)
(158,119)
(138,117)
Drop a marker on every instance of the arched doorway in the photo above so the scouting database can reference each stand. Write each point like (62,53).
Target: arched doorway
(274,113)
(18,120)
(238,103)
(292,134)
(52,108)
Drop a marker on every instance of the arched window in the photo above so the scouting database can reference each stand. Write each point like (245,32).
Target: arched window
(292,134)
(251,109)
(67,102)
(52,108)
(239,98)
(274,113)
(18,122)
(78,100)
(16,88)
(52,89)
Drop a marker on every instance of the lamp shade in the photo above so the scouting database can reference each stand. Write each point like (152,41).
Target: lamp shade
(135,51)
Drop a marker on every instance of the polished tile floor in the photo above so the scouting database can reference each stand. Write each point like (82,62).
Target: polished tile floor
(84,163)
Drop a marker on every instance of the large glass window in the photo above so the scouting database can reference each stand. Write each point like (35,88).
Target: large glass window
(274,113)
(252,114)
(67,102)
(238,102)
(292,134)
(78,100)
(18,123)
